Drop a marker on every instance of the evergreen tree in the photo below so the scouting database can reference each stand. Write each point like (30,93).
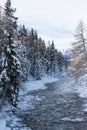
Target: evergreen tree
(52,59)
(42,56)
(60,61)
(48,59)
(23,50)
(34,55)
(10,76)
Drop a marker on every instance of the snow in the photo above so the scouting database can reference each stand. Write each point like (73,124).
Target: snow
(32,85)
(2,124)
(36,85)
(4,75)
(8,121)
(72,119)
(6,115)
(85,107)
(81,89)
(82,86)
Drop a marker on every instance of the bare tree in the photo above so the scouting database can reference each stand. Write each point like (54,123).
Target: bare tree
(79,50)
(79,46)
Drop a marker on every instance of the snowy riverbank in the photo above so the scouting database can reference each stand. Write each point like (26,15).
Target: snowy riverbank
(32,85)
(81,89)
(27,86)
(27,99)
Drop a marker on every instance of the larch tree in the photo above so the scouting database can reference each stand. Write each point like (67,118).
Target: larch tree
(79,50)
(79,46)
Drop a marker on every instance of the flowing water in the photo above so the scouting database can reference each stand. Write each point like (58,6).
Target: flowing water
(58,107)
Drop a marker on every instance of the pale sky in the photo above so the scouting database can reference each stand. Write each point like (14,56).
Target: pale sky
(53,19)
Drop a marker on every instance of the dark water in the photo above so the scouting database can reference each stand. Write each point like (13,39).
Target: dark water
(60,108)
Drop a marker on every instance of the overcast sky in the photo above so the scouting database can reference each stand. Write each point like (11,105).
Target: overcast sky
(53,19)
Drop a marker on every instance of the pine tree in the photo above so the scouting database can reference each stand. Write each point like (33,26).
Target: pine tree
(10,76)
(48,60)
(42,56)
(60,61)
(34,55)
(1,40)
(23,50)
(52,66)
(52,58)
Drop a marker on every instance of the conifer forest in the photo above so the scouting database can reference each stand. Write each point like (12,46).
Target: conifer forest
(23,53)
(42,87)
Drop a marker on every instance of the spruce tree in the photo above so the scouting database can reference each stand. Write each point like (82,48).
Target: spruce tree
(10,76)
(60,61)
(33,54)
(42,56)
(23,50)
(52,60)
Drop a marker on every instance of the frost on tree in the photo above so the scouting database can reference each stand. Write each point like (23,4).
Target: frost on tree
(79,46)
(23,50)
(10,76)
(79,53)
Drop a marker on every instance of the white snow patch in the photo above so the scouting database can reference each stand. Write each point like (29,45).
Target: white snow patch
(72,119)
(36,85)
(85,107)
(24,104)
(2,124)
(32,86)
(81,86)
(7,128)
(81,89)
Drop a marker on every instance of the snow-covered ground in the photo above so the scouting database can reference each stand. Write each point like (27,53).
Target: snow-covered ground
(27,86)
(32,85)
(81,88)
(72,120)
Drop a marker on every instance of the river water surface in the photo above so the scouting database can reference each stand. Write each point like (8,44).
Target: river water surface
(59,108)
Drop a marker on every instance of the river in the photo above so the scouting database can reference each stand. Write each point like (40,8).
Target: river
(59,108)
